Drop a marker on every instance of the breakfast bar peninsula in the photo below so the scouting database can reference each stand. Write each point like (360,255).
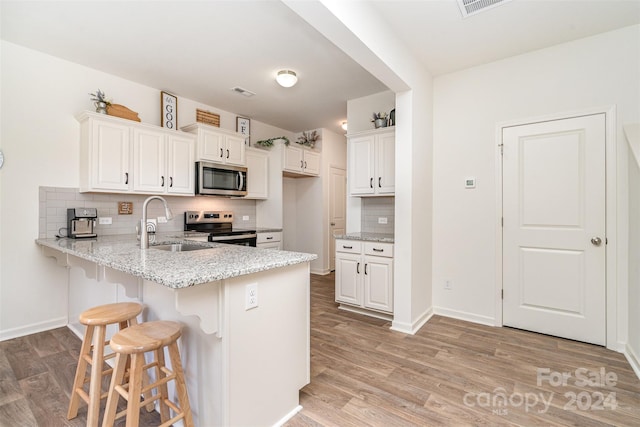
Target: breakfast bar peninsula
(245,344)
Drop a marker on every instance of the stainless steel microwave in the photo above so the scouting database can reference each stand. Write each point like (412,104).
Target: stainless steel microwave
(220,180)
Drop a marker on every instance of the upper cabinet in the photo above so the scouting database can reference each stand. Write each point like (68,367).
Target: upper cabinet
(372,163)
(118,155)
(257,174)
(218,145)
(301,161)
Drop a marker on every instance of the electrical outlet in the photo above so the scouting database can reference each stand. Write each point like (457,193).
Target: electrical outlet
(245,217)
(105,220)
(251,296)
(448,284)
(382,220)
(162,220)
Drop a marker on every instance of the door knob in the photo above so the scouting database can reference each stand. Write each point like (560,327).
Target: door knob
(596,241)
(333,223)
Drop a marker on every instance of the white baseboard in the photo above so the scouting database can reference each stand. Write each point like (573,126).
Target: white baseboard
(33,328)
(287,417)
(412,328)
(463,315)
(370,313)
(633,359)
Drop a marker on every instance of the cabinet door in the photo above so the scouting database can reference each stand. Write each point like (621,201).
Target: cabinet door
(149,161)
(361,165)
(110,148)
(257,174)
(181,165)
(311,161)
(234,153)
(385,181)
(272,245)
(293,160)
(349,271)
(210,146)
(378,283)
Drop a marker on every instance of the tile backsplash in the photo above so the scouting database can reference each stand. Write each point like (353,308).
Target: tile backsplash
(374,208)
(54,202)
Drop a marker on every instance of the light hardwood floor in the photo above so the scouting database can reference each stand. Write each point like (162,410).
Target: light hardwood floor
(454,373)
(363,374)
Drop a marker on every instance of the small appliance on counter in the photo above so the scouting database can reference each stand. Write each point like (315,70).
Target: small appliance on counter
(81,222)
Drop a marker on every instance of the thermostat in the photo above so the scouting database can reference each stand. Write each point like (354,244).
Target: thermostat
(470,182)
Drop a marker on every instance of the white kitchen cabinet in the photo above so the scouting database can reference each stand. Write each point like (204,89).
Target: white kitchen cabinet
(257,174)
(122,156)
(364,276)
(372,163)
(218,145)
(269,240)
(301,161)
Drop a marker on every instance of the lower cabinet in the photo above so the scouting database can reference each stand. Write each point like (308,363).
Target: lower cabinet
(364,275)
(270,240)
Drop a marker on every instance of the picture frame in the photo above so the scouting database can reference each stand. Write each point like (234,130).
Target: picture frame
(168,110)
(243,126)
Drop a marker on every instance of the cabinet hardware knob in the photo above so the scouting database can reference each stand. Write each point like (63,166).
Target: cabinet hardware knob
(365,269)
(379,182)
(227,154)
(270,238)
(301,164)
(371,182)
(221,152)
(358,268)
(347,247)
(171,181)
(162,181)
(305,165)
(378,250)
(126,177)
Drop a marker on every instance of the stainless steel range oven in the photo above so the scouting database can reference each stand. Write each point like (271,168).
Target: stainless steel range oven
(219,225)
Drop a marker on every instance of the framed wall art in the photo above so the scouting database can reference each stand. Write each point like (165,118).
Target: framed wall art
(169,110)
(243,126)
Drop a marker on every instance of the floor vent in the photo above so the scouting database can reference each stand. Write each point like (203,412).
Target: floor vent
(242,91)
(471,7)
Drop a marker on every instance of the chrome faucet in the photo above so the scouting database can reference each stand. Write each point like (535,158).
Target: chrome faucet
(144,234)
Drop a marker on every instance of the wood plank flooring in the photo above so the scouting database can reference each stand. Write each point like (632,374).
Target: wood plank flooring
(456,373)
(451,373)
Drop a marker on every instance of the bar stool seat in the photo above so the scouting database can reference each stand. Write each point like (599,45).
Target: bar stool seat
(130,346)
(96,320)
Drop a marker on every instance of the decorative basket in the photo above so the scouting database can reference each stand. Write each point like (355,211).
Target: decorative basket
(121,111)
(207,118)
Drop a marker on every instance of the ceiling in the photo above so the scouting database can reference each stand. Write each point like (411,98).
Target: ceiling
(201,49)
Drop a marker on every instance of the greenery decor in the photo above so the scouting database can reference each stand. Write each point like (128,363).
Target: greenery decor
(99,96)
(308,138)
(269,142)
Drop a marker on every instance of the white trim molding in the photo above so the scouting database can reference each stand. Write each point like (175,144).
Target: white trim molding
(412,328)
(463,315)
(33,328)
(633,359)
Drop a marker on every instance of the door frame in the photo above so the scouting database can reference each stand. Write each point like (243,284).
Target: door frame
(616,311)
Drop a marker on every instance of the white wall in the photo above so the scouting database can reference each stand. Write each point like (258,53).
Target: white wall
(40,140)
(598,71)
(633,343)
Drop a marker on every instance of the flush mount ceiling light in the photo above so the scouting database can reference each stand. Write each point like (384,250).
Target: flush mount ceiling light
(286,78)
(344,125)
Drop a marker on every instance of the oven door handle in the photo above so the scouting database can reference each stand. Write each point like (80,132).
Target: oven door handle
(236,237)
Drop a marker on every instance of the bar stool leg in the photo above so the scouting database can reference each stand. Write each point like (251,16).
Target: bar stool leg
(135,390)
(81,371)
(113,396)
(95,387)
(181,385)
(162,389)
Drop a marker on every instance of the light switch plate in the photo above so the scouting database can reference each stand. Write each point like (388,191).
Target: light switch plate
(470,182)
(382,220)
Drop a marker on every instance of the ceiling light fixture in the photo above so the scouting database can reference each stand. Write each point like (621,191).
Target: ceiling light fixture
(286,78)
(344,125)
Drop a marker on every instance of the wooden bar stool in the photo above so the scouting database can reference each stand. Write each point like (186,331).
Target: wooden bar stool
(133,343)
(96,320)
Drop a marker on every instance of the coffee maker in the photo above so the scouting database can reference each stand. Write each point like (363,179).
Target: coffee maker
(81,222)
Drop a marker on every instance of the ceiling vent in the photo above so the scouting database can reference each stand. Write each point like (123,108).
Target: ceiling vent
(471,7)
(242,91)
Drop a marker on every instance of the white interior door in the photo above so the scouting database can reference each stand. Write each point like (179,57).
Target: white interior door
(337,210)
(554,228)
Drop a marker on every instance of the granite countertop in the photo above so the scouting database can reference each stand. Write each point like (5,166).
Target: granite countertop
(370,237)
(175,269)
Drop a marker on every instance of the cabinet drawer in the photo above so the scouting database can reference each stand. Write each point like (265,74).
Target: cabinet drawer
(349,246)
(379,249)
(269,237)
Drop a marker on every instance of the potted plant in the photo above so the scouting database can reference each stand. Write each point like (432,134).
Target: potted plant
(308,138)
(379,120)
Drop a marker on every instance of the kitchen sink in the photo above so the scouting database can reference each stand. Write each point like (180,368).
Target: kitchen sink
(180,247)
